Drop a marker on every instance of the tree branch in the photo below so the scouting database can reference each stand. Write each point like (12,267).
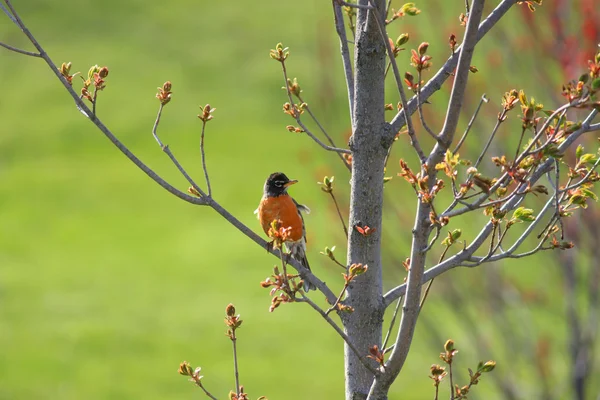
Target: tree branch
(422,226)
(467,253)
(16,50)
(435,83)
(81,106)
(345,51)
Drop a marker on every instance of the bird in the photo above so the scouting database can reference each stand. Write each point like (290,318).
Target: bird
(277,204)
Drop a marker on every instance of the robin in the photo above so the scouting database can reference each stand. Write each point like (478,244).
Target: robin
(277,204)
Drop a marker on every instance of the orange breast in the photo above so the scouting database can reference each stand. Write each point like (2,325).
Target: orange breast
(281,208)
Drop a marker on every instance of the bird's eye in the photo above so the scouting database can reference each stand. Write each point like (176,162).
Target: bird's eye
(279,183)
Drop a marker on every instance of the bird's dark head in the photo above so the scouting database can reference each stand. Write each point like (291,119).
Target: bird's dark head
(277,184)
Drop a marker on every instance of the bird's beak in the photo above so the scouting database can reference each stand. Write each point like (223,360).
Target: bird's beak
(290,183)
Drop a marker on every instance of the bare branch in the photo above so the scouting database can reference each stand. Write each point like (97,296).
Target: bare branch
(345,51)
(420,108)
(421,231)
(204,159)
(411,130)
(464,136)
(296,116)
(8,14)
(354,5)
(392,323)
(16,50)
(314,118)
(435,83)
(167,150)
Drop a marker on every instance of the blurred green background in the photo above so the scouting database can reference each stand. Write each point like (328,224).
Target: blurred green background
(107,282)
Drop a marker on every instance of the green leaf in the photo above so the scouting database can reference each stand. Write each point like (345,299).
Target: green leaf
(584,78)
(579,151)
(596,84)
(590,194)
(523,214)
(588,158)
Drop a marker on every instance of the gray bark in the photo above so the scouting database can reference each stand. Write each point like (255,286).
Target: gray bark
(369,149)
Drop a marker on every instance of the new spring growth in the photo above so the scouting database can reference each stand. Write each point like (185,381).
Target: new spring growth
(293,87)
(96,76)
(327,184)
(449,352)
(329,253)
(452,237)
(164,93)
(278,233)
(407,9)
(232,321)
(452,42)
(354,271)
(419,59)
(186,370)
(530,109)
(531,4)
(65,71)
(376,354)
(206,113)
(437,373)
(280,53)
(397,45)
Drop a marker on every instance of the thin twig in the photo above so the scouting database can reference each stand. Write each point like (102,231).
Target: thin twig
(334,306)
(464,136)
(420,109)
(206,392)
(451,380)
(338,16)
(84,109)
(299,121)
(204,159)
(353,5)
(314,118)
(436,82)
(411,130)
(235,363)
(165,148)
(361,357)
(394,315)
(16,50)
(8,14)
(337,207)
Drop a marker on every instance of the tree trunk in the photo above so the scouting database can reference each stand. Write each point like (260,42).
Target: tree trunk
(364,325)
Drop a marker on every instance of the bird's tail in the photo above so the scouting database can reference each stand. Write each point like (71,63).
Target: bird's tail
(298,253)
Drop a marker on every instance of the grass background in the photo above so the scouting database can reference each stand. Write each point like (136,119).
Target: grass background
(107,282)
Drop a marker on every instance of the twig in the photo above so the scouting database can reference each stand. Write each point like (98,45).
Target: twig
(389,331)
(337,207)
(16,50)
(165,148)
(206,392)
(334,306)
(353,5)
(81,106)
(204,159)
(420,109)
(464,136)
(8,14)
(411,130)
(235,363)
(359,356)
(450,378)
(314,118)
(345,52)
(299,121)
(435,83)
